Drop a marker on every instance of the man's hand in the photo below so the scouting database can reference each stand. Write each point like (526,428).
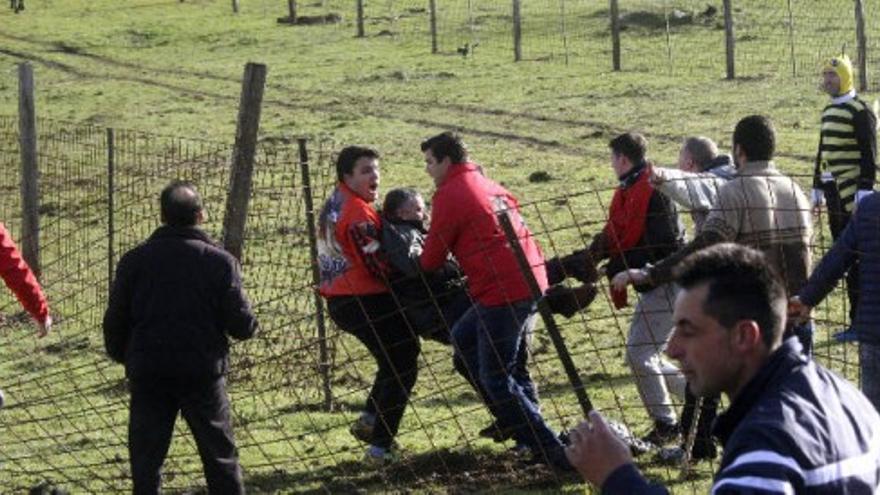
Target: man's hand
(595,451)
(656,176)
(44,327)
(633,276)
(798,311)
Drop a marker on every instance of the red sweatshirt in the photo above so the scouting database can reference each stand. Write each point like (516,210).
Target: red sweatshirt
(20,279)
(350,260)
(463,222)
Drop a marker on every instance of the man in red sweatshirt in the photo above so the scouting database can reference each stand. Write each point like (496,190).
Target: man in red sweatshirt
(489,337)
(18,276)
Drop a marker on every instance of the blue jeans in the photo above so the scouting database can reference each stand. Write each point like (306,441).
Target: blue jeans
(869,359)
(489,341)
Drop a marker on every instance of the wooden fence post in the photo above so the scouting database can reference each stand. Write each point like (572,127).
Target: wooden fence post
(729,41)
(30,172)
(432,4)
(323,353)
(243,157)
(862,45)
(615,35)
(791,39)
(517,31)
(234,6)
(360,19)
(291,8)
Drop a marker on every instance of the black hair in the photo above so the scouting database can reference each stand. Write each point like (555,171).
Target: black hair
(756,137)
(631,145)
(180,204)
(396,198)
(349,156)
(447,144)
(742,286)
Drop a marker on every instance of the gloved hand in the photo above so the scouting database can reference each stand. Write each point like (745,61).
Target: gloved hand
(578,264)
(566,301)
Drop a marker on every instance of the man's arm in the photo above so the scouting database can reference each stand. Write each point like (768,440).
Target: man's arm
(366,238)
(238,317)
(21,280)
(663,271)
(865,123)
(761,463)
(441,236)
(833,265)
(694,191)
(117,317)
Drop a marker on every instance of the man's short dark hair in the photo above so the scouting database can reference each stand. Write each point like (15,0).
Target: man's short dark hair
(756,137)
(396,198)
(742,286)
(631,145)
(447,144)
(702,150)
(180,204)
(349,156)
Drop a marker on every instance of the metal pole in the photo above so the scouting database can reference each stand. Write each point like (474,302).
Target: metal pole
(323,353)
(111,165)
(555,335)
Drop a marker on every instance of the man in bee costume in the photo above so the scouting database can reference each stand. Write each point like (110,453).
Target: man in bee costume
(846,164)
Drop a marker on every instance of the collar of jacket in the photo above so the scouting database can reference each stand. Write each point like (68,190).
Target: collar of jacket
(457,169)
(172,232)
(760,167)
(837,100)
(631,177)
(779,365)
(416,224)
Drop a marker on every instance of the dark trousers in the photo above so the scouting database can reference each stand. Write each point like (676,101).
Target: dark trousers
(838,218)
(708,411)
(377,322)
(205,407)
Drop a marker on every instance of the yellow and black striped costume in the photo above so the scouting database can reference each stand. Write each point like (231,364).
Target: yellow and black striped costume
(847,149)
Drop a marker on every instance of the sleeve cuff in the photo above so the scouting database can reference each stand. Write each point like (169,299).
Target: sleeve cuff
(862,194)
(625,480)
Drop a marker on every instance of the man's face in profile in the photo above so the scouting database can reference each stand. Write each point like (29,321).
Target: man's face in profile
(702,345)
(437,169)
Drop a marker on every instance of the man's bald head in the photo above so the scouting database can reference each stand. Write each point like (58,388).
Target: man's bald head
(181,204)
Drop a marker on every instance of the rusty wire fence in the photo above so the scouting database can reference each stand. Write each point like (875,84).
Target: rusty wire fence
(294,391)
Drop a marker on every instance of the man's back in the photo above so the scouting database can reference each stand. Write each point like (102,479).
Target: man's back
(798,428)
(175,299)
(768,211)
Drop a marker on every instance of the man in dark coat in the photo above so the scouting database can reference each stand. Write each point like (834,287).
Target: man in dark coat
(174,300)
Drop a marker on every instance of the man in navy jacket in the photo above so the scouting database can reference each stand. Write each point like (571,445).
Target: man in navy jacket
(792,425)
(175,299)
(858,246)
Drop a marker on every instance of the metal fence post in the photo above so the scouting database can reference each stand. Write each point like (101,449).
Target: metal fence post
(30,172)
(323,353)
(243,157)
(517,30)
(729,40)
(615,35)
(111,227)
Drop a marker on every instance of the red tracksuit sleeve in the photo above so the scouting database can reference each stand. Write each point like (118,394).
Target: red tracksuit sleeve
(20,279)
(441,236)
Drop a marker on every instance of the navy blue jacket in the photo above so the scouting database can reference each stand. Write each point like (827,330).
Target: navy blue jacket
(859,240)
(794,428)
(174,300)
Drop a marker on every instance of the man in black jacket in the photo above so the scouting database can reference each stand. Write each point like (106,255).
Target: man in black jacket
(792,426)
(175,299)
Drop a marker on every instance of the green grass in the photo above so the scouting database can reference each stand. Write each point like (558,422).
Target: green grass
(172,69)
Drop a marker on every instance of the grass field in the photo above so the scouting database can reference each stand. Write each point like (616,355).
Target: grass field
(174,69)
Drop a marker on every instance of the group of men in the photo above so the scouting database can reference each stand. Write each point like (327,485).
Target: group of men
(717,304)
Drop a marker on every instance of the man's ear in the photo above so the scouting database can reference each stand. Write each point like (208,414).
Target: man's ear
(746,336)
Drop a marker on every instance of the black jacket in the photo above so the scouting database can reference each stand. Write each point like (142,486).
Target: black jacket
(794,428)
(175,299)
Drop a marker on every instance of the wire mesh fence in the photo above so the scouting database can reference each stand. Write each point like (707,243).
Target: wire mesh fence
(66,420)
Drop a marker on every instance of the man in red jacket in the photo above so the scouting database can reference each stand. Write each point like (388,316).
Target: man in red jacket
(489,337)
(18,276)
